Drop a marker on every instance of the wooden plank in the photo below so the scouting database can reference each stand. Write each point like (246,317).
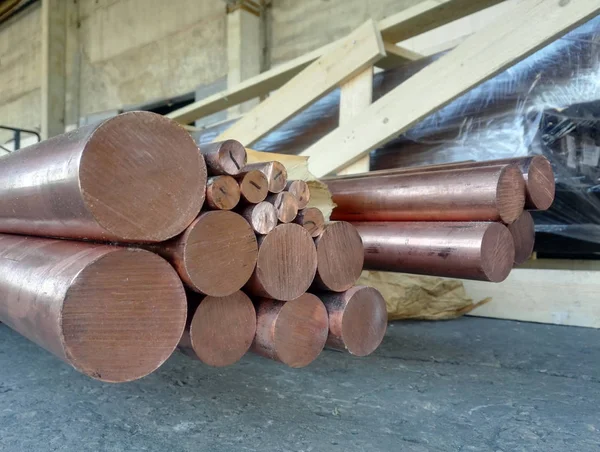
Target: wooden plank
(561,297)
(397,56)
(53,67)
(355,96)
(356,52)
(530,25)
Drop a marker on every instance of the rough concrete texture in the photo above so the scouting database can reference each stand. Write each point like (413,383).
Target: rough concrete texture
(466,385)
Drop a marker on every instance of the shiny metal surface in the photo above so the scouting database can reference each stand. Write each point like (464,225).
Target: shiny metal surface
(94,306)
(262,217)
(274,171)
(492,193)
(477,250)
(286,206)
(311,219)
(357,319)
(301,192)
(137,177)
(224,157)
(292,332)
(222,193)
(523,234)
(254,186)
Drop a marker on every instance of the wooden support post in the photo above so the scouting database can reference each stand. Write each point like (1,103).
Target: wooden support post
(53,67)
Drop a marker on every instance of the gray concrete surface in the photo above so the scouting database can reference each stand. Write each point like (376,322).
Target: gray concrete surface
(466,385)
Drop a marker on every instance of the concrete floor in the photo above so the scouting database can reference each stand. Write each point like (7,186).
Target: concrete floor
(466,385)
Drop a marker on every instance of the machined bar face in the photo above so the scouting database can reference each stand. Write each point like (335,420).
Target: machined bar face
(311,219)
(224,157)
(254,186)
(222,193)
(274,171)
(523,234)
(301,192)
(286,206)
(262,217)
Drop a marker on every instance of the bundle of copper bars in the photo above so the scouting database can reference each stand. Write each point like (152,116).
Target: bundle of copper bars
(461,220)
(121,241)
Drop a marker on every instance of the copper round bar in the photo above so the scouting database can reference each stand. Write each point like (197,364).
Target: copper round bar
(254,186)
(311,219)
(222,193)
(477,250)
(292,332)
(286,206)
(340,257)
(94,306)
(523,234)
(286,266)
(274,171)
(137,177)
(216,255)
(301,192)
(220,329)
(224,157)
(491,193)
(262,217)
(357,320)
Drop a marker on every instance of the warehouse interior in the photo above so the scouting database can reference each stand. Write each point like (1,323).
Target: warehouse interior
(441,163)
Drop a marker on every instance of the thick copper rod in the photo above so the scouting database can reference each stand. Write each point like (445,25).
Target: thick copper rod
(537,171)
(114,314)
(224,157)
(254,186)
(492,193)
(286,206)
(292,332)
(220,330)
(301,192)
(137,177)
(215,255)
(286,266)
(311,219)
(340,257)
(523,234)
(222,193)
(262,217)
(274,171)
(477,250)
(357,319)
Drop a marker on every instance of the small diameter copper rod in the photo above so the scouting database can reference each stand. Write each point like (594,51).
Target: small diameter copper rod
(537,172)
(523,234)
(262,217)
(286,266)
(254,186)
(220,330)
(286,206)
(222,193)
(340,257)
(492,193)
(478,250)
(301,192)
(357,319)
(292,332)
(136,177)
(114,314)
(274,171)
(311,219)
(224,157)
(215,255)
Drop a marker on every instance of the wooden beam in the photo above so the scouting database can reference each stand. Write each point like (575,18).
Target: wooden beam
(397,56)
(353,55)
(530,25)
(53,15)
(561,297)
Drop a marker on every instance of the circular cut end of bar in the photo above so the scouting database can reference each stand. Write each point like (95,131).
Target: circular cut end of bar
(311,219)
(220,253)
(523,234)
(142,177)
(278,177)
(222,193)
(286,206)
(510,194)
(262,217)
(123,316)
(287,262)
(340,257)
(254,186)
(364,320)
(232,157)
(223,328)
(301,192)
(497,252)
(301,331)
(540,183)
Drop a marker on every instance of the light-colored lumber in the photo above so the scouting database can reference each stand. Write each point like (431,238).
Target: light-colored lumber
(397,56)
(358,51)
(561,297)
(529,25)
